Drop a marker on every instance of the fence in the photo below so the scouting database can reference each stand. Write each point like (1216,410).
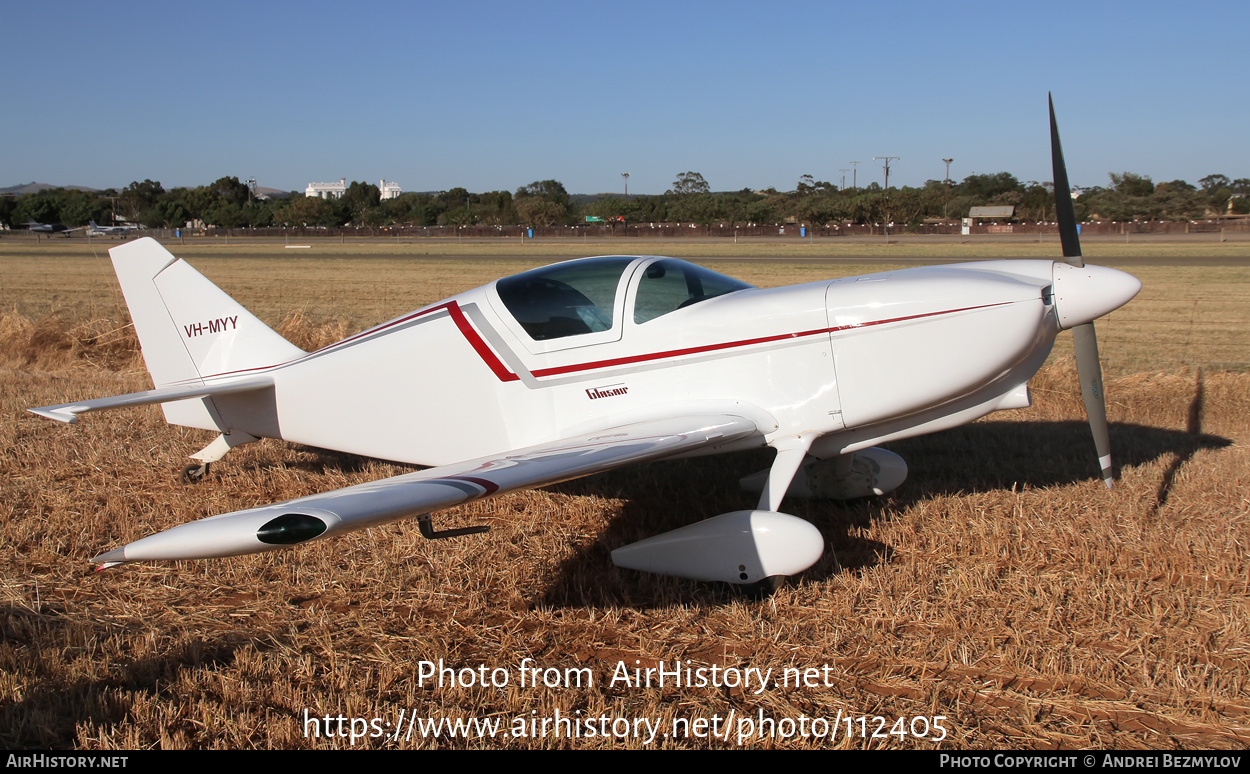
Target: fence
(719,230)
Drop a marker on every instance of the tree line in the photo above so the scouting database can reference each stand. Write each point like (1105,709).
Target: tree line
(229,203)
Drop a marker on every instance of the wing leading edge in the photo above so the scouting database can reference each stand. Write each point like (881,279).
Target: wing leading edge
(413,494)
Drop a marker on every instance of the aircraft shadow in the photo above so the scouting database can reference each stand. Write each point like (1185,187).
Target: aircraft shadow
(318,461)
(48,715)
(996,455)
(981,457)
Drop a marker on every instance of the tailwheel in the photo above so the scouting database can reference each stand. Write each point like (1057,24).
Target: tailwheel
(194,474)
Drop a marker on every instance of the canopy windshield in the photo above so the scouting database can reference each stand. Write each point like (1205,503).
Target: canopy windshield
(567,299)
(669,284)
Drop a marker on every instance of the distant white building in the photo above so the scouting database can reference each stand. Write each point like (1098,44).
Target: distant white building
(327,190)
(389,190)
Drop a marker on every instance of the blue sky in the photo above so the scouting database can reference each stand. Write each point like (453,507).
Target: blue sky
(492,95)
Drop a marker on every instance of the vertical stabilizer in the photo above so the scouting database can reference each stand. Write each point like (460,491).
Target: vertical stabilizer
(188,328)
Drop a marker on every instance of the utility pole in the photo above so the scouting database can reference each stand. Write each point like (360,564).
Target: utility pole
(854,171)
(887,160)
(947,202)
(843,186)
(626,176)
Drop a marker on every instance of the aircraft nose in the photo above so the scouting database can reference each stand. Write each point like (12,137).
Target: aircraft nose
(1087,293)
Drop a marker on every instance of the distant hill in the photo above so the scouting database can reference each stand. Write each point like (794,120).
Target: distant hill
(28,188)
(18,190)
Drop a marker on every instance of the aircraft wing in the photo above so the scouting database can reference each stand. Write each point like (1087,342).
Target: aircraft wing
(414,494)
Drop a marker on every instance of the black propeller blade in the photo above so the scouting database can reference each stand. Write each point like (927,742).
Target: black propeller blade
(1088,367)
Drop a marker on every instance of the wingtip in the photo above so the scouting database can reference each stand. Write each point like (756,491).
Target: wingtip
(53,412)
(110,559)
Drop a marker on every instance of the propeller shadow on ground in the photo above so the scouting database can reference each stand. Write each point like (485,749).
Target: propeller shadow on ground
(999,455)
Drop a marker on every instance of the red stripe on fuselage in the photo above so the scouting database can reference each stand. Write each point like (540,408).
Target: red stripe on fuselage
(453,310)
(502,373)
(468,331)
(732,344)
(391,324)
(479,346)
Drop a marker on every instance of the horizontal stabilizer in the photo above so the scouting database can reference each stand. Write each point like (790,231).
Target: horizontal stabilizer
(68,412)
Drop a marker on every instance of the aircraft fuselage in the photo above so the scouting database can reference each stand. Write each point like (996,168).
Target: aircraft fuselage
(853,360)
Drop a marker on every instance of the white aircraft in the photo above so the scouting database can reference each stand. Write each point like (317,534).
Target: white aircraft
(588,365)
(121,231)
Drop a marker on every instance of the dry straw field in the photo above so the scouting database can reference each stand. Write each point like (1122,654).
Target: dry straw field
(1001,598)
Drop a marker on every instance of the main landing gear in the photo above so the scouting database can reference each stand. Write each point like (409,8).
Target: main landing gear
(865,473)
(753,549)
